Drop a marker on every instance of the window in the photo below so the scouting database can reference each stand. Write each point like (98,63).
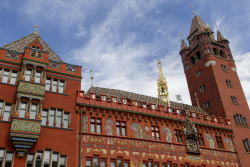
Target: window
(198,73)
(13,77)
(155,132)
(9,159)
(246,143)
(1,156)
(5,76)
(6,113)
(200,139)
(63,161)
(224,68)
(120,162)
(54,85)
(202,88)
(198,55)
(104,98)
(229,84)
(234,100)
(206,104)
(120,128)
(59,118)
(55,157)
(38,161)
(47,158)
(179,136)
(61,86)
(30,159)
(221,54)
(169,164)
(38,75)
(95,126)
(33,111)
(95,162)
(22,109)
(28,73)
(66,120)
(215,51)
(114,99)
(51,117)
(124,101)
(193,61)
(219,142)
(48,83)
(240,120)
(1,108)
(44,117)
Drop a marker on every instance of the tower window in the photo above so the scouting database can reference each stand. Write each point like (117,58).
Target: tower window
(192,60)
(215,51)
(198,73)
(155,132)
(179,136)
(202,88)
(221,54)
(224,68)
(95,125)
(198,55)
(234,100)
(229,83)
(206,104)
(240,120)
(246,143)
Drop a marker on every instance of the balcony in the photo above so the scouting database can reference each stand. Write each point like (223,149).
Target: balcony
(24,134)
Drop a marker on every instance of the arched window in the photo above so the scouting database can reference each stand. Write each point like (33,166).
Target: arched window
(162,90)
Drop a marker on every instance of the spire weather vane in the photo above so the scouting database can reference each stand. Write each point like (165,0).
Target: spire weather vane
(91,77)
(193,11)
(36,29)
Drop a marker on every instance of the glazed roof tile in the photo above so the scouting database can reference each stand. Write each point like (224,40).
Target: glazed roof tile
(20,44)
(139,97)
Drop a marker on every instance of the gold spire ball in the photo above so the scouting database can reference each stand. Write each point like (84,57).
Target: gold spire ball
(162,86)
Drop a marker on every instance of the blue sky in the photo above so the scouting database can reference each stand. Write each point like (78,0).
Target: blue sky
(122,40)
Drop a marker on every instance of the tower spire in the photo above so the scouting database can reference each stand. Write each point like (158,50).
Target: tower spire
(183,44)
(163,93)
(220,37)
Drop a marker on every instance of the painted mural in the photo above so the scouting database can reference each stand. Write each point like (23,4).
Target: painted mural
(138,131)
(109,130)
(229,144)
(167,134)
(210,141)
(85,123)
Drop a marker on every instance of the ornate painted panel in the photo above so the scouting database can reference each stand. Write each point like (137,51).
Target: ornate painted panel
(167,134)
(31,88)
(139,132)
(85,123)
(21,125)
(210,140)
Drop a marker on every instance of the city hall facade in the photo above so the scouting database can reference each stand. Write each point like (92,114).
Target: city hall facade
(46,120)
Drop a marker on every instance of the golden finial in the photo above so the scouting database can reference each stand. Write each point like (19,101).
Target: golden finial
(163,93)
(36,29)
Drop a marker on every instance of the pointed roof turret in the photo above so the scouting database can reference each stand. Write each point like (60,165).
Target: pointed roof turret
(183,44)
(163,93)
(198,26)
(220,37)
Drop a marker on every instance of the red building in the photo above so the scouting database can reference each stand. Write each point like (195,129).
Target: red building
(46,120)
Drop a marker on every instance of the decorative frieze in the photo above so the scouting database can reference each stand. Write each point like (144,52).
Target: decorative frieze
(31,88)
(12,55)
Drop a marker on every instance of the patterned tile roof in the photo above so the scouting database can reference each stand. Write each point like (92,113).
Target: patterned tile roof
(20,44)
(139,97)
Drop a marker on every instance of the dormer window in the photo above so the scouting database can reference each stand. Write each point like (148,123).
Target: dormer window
(124,101)
(135,103)
(153,106)
(170,110)
(114,99)
(144,105)
(93,96)
(193,114)
(104,98)
(36,47)
(178,111)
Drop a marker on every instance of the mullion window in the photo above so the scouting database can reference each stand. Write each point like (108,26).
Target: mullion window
(155,132)
(33,111)
(120,128)
(219,142)
(13,77)
(95,125)
(5,77)
(55,158)
(1,107)
(22,109)
(44,117)
(28,74)
(38,75)
(9,159)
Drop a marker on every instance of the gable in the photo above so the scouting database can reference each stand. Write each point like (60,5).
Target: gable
(21,44)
